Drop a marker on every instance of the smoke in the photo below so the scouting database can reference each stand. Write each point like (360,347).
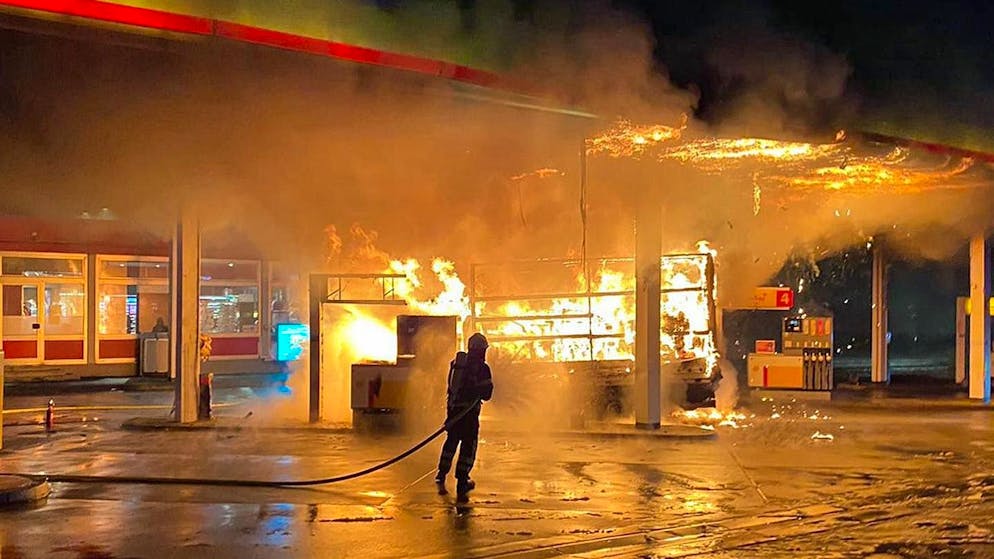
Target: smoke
(774,84)
(727,395)
(279,145)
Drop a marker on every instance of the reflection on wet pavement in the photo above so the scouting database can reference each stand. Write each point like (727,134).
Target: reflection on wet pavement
(888,484)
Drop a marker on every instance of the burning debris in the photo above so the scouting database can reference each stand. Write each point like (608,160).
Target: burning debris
(793,167)
(712,418)
(625,139)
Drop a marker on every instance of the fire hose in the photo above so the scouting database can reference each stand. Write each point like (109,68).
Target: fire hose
(146,480)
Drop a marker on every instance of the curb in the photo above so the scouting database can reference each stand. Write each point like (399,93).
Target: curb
(666,432)
(221,424)
(663,433)
(16,490)
(230,424)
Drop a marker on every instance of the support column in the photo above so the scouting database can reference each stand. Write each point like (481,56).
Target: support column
(980,322)
(879,370)
(316,297)
(185,332)
(648,381)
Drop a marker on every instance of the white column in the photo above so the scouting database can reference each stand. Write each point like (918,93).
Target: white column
(648,382)
(879,370)
(185,332)
(961,340)
(980,323)
(317,294)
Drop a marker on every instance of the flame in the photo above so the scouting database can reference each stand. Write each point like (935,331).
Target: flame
(797,167)
(625,139)
(707,151)
(591,323)
(538,173)
(710,417)
(600,324)
(450,301)
(367,338)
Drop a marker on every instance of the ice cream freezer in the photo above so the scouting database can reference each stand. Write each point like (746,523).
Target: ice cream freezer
(379,387)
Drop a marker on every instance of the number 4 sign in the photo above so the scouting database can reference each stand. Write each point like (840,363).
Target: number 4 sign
(773,298)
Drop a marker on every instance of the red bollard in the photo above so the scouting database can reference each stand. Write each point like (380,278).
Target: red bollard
(50,417)
(205,409)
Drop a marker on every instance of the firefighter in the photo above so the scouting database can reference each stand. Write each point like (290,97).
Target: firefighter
(470,384)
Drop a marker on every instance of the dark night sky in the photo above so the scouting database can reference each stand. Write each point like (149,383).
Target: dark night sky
(917,67)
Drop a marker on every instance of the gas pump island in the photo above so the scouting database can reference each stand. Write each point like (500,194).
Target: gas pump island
(806,359)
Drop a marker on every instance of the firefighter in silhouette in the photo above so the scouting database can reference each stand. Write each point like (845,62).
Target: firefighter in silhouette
(470,384)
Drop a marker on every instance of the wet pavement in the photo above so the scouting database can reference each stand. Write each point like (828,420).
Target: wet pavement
(790,481)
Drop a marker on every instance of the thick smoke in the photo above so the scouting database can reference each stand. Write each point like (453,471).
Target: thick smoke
(280,145)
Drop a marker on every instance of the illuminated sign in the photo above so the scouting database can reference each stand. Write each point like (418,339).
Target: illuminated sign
(773,298)
(766,346)
(291,339)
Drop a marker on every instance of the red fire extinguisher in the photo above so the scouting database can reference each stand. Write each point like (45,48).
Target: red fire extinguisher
(204,404)
(50,417)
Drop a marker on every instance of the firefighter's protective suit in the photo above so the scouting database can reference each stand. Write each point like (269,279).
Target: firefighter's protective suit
(470,382)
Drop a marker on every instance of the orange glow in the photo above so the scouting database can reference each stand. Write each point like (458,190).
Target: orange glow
(873,176)
(450,301)
(601,326)
(538,173)
(628,140)
(793,168)
(707,152)
(565,328)
(711,417)
(368,338)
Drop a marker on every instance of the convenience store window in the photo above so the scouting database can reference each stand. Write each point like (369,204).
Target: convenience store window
(55,266)
(132,299)
(132,295)
(229,297)
(281,283)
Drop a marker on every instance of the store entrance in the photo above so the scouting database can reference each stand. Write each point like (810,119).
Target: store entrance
(43,321)
(21,328)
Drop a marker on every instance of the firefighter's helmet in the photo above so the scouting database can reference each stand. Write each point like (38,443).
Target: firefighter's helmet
(478,341)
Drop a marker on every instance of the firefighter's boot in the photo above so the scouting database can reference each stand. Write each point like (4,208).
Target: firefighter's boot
(440,485)
(463,489)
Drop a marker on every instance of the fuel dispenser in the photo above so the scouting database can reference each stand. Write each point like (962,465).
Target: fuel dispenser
(425,344)
(806,359)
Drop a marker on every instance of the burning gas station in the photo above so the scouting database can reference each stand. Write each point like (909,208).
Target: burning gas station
(337,208)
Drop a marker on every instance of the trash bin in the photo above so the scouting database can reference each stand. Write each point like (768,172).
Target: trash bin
(154,354)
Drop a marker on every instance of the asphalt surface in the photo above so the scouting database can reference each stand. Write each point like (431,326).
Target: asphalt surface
(901,480)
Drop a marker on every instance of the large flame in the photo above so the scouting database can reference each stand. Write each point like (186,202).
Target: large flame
(600,324)
(792,168)
(369,339)
(581,325)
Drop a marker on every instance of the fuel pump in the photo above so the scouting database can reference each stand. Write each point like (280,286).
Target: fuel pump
(805,361)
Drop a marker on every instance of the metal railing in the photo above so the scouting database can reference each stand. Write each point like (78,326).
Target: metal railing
(388,289)
(490,322)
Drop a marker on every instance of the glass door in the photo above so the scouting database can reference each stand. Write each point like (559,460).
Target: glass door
(63,321)
(21,330)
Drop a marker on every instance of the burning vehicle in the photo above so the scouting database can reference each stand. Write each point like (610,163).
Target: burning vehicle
(556,326)
(582,339)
